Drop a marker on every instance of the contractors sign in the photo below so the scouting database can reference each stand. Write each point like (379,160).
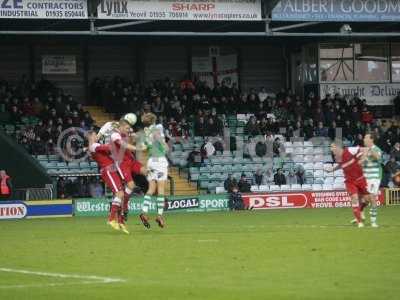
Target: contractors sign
(43,9)
(195,10)
(337,10)
(317,199)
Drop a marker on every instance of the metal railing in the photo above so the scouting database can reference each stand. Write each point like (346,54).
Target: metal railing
(392,196)
(34,194)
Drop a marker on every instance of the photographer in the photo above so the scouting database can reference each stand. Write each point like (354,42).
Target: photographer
(235,200)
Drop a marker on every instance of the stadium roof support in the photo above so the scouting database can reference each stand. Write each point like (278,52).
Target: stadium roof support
(294,26)
(207,34)
(120,25)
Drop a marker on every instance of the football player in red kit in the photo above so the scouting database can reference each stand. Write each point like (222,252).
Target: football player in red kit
(101,154)
(356,185)
(125,162)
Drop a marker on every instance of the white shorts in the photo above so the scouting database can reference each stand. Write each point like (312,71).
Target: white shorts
(157,168)
(373,186)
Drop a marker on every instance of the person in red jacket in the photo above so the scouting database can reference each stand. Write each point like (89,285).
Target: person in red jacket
(5,185)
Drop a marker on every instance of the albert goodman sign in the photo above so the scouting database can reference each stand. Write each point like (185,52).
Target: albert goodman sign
(337,10)
(195,10)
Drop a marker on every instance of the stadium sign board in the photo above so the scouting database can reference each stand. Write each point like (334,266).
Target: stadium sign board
(194,10)
(13,210)
(91,207)
(314,199)
(43,9)
(374,93)
(337,10)
(58,64)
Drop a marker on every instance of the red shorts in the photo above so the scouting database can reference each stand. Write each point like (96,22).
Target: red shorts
(127,168)
(112,180)
(358,186)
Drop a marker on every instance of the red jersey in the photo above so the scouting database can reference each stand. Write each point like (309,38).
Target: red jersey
(101,154)
(349,162)
(126,155)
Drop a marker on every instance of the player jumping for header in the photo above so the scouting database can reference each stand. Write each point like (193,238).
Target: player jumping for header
(157,166)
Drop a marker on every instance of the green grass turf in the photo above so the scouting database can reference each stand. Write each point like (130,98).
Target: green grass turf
(285,254)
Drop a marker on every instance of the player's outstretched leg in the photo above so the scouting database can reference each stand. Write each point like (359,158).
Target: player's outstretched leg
(115,212)
(356,210)
(160,210)
(145,209)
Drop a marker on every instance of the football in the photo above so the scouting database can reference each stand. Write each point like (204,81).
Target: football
(130,118)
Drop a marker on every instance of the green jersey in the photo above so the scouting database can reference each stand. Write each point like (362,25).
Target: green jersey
(372,166)
(155,141)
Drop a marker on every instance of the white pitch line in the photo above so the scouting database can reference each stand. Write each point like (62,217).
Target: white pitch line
(84,278)
(208,241)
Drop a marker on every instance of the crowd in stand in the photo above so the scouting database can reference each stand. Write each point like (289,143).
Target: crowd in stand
(179,104)
(52,109)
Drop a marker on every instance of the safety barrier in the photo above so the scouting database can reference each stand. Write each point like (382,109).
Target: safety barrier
(392,196)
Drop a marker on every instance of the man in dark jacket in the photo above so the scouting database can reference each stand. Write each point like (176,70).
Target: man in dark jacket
(235,200)
(244,186)
(279,178)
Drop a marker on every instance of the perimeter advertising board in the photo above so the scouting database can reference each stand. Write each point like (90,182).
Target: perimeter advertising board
(43,9)
(91,207)
(317,199)
(337,10)
(194,10)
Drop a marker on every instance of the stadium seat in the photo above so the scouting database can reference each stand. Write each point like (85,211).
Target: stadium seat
(317,187)
(285,187)
(327,187)
(220,190)
(339,186)
(306,187)
(296,187)
(275,188)
(254,188)
(264,188)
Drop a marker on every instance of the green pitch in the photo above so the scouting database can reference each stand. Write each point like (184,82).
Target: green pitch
(286,254)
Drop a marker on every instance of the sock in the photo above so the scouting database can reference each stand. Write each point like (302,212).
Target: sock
(357,212)
(160,205)
(363,205)
(115,208)
(125,203)
(146,204)
(373,212)
(121,219)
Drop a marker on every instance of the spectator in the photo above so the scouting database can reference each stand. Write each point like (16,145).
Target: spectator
(395,152)
(258,178)
(61,188)
(252,127)
(195,159)
(200,128)
(366,116)
(321,131)
(279,178)
(96,189)
(269,177)
(291,178)
(208,148)
(301,175)
(5,185)
(243,185)
(391,167)
(229,183)
(276,147)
